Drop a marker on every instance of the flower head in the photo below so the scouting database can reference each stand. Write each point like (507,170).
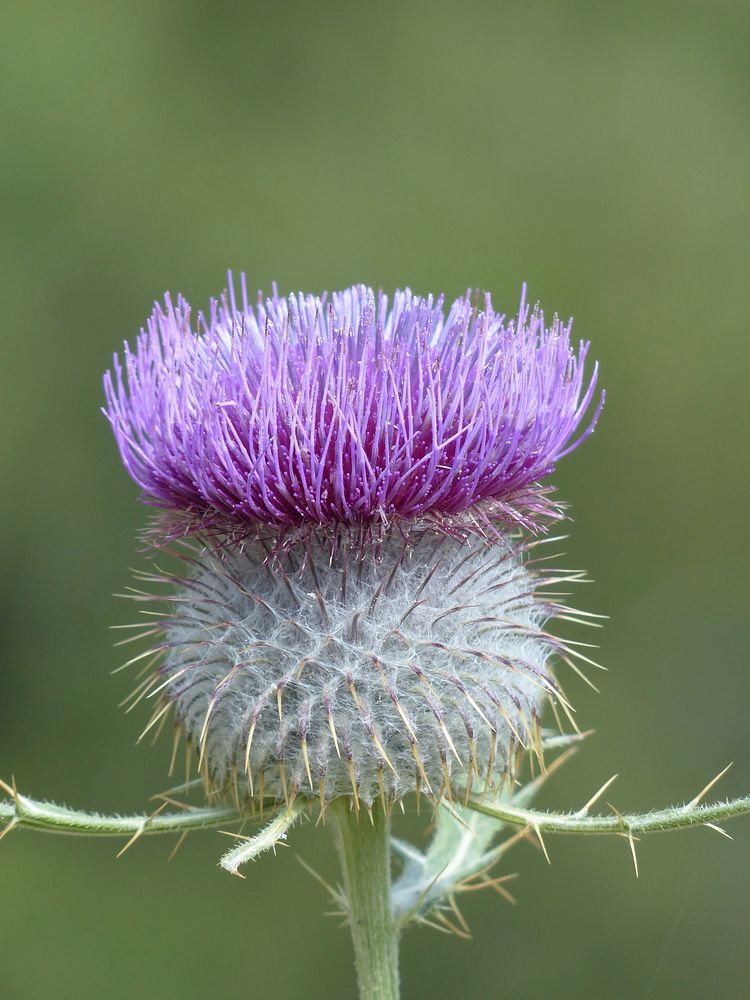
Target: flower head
(348,409)
(297,660)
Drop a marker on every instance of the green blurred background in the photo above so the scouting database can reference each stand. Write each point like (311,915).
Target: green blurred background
(600,152)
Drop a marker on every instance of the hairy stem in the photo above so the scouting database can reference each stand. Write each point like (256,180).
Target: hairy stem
(249,848)
(671,818)
(362,841)
(22,811)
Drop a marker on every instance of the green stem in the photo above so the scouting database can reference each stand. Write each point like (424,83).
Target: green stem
(671,818)
(266,839)
(22,811)
(363,845)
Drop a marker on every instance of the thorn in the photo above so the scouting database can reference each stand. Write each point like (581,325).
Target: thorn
(248,745)
(353,780)
(282,778)
(203,766)
(552,742)
(390,803)
(477,709)
(142,829)
(490,763)
(458,931)
(405,721)
(459,915)
(537,745)
(449,741)
(381,750)
(709,786)
(448,806)
(586,659)
(538,833)
(501,890)
(293,796)
(568,709)
(135,638)
(558,762)
(576,669)
(178,845)
(506,717)
(381,791)
(332,727)
(163,796)
(235,789)
(420,768)
(353,692)
(578,621)
(497,884)
(430,923)
(558,722)
(306,760)
(445,789)
(10,789)
(469,779)
(584,809)
(164,684)
(713,826)
(159,728)
(155,718)
(136,659)
(11,826)
(631,842)
(336,896)
(629,834)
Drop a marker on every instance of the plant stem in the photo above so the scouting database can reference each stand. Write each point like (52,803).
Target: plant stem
(21,811)
(671,818)
(362,841)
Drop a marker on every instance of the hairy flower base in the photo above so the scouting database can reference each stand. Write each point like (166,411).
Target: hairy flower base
(324,674)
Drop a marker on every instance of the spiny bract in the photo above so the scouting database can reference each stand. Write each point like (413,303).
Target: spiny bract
(364,677)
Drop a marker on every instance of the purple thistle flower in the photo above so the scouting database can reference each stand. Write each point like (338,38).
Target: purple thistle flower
(322,673)
(347,409)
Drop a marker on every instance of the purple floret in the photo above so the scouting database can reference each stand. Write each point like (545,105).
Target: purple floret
(347,409)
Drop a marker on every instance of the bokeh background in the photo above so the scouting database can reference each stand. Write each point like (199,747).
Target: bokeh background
(600,152)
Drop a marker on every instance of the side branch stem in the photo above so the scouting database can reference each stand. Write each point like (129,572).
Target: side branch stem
(22,811)
(671,818)
(362,841)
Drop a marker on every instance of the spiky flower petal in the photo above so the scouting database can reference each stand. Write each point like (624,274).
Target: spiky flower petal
(349,409)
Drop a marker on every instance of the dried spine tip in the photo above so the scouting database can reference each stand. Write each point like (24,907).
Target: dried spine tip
(327,674)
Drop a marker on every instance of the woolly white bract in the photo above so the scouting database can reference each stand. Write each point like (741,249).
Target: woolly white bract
(348,675)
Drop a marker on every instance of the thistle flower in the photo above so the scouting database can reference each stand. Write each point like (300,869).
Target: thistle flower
(300,659)
(347,411)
